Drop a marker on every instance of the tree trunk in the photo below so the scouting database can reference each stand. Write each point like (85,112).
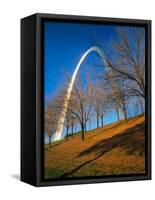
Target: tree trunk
(102,121)
(125,114)
(142,110)
(72,130)
(67,133)
(85,126)
(117,111)
(97,121)
(82,132)
(49,141)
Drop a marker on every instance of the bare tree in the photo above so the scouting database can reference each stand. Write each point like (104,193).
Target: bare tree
(129,59)
(70,122)
(118,92)
(81,104)
(139,104)
(100,103)
(73,123)
(50,123)
(67,123)
(142,104)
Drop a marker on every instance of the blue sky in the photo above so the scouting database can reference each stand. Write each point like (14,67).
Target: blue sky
(64,44)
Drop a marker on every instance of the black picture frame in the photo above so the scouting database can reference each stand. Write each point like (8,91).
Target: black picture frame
(32,99)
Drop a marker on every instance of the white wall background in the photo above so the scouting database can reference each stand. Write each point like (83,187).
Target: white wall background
(10,14)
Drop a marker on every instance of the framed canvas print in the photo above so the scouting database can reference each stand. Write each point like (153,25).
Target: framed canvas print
(85,99)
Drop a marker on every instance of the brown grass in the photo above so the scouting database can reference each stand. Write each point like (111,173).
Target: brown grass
(114,149)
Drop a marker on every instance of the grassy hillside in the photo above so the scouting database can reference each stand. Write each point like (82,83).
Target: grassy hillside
(117,148)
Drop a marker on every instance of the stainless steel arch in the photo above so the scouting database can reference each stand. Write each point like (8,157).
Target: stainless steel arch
(59,129)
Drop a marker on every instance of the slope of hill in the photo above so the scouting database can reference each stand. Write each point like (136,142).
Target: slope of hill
(117,148)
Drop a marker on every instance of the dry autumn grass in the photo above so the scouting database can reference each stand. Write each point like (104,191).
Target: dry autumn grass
(115,149)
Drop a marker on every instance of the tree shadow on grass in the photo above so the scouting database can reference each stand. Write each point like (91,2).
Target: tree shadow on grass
(132,141)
